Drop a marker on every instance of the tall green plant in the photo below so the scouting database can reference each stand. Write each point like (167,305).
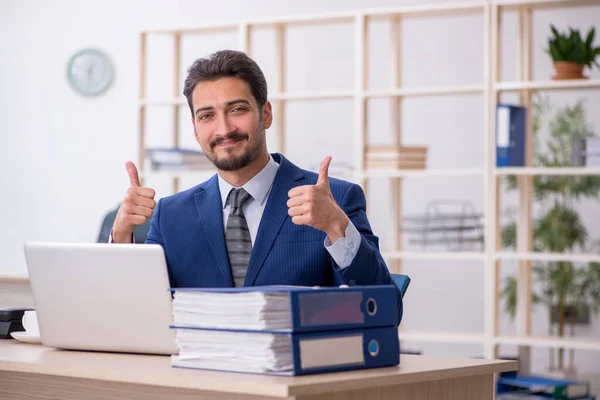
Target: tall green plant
(558,227)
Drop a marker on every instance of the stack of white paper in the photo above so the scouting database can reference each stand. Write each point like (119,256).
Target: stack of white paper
(257,352)
(244,310)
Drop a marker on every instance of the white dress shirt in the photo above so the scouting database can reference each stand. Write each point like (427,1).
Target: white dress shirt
(343,250)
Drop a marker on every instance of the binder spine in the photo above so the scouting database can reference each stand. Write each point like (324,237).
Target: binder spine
(348,350)
(344,309)
(510,135)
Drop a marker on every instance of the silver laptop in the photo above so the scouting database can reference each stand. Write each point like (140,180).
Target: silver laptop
(102,297)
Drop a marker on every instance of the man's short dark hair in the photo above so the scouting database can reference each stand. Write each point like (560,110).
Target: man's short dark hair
(226,63)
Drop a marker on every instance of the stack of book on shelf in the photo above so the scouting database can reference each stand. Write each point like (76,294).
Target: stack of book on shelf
(286,330)
(541,387)
(396,157)
(177,159)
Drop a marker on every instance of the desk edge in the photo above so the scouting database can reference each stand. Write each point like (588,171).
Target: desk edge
(496,366)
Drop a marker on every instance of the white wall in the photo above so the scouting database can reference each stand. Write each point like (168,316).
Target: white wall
(62,156)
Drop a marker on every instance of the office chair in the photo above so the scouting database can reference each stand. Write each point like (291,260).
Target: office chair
(402,281)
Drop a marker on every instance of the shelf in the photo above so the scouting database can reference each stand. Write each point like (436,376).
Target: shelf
(548,341)
(427,91)
(408,92)
(548,257)
(204,28)
(540,4)
(548,85)
(531,171)
(342,94)
(441,255)
(393,173)
(475,338)
(323,18)
(440,337)
(428,10)
(316,95)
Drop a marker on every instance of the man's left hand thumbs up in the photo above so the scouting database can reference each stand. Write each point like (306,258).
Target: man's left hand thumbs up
(314,205)
(324,173)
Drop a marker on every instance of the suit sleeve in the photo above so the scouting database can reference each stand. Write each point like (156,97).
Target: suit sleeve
(368,266)
(155,237)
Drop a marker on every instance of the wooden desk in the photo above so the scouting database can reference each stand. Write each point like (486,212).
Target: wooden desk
(30,371)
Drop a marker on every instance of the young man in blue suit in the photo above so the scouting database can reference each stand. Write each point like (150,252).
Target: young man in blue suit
(260,220)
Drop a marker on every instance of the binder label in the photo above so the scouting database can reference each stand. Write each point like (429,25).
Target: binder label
(331,308)
(503,120)
(332,351)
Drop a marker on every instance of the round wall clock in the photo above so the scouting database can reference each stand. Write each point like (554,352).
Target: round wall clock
(90,72)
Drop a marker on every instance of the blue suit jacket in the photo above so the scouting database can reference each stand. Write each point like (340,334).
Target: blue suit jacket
(189,226)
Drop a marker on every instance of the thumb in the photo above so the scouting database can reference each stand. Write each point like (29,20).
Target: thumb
(132,171)
(324,172)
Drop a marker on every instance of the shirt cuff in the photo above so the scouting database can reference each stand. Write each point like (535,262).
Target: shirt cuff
(110,240)
(345,248)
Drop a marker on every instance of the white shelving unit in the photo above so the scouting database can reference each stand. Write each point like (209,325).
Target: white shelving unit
(525,87)
(492,87)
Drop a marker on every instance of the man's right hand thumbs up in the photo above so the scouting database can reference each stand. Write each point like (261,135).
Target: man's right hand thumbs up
(134,178)
(137,207)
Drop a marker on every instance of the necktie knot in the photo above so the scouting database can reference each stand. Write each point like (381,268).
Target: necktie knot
(237,198)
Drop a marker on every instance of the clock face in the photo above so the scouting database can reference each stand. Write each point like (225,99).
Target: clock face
(90,72)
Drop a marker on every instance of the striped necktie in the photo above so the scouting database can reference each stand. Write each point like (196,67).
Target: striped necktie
(237,236)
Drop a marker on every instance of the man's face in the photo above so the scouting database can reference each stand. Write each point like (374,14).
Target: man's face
(228,123)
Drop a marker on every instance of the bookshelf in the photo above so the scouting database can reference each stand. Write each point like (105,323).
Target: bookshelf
(491,89)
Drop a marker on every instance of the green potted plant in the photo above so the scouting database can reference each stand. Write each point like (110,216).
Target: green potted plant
(567,290)
(570,53)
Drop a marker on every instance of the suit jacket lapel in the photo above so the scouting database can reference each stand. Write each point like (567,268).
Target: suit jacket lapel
(210,213)
(275,213)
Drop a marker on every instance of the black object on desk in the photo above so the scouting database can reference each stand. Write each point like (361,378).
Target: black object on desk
(11,320)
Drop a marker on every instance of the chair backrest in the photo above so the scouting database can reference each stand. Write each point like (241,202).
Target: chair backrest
(402,281)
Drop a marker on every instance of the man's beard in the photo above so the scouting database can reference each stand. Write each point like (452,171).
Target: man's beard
(232,163)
